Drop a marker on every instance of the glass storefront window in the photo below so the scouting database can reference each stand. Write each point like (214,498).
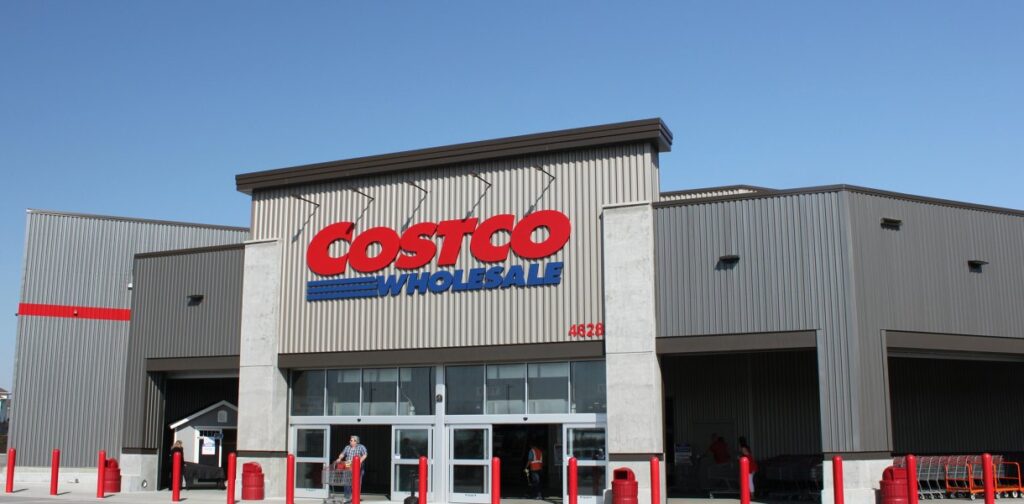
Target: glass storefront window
(343,391)
(588,387)
(380,391)
(587,444)
(548,387)
(416,391)
(308,392)
(506,389)
(465,386)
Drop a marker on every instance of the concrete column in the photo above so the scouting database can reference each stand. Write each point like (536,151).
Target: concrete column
(635,430)
(139,472)
(860,478)
(262,387)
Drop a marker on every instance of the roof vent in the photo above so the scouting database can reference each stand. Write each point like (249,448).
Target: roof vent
(890,223)
(728,261)
(974,265)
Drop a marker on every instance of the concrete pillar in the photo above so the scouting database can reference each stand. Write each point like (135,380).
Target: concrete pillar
(139,472)
(861,474)
(262,387)
(635,430)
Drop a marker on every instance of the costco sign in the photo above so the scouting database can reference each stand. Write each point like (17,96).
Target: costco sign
(417,247)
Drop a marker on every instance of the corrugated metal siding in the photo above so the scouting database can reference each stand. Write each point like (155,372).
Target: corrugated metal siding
(771,398)
(79,364)
(956,406)
(711,193)
(70,378)
(165,325)
(584,181)
(916,279)
(793,275)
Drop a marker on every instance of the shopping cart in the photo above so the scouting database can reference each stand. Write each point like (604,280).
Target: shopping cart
(724,480)
(336,477)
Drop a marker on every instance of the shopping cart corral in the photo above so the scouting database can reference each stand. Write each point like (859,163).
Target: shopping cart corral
(336,477)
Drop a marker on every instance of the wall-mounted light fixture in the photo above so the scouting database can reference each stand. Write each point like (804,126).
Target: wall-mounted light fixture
(307,200)
(195,299)
(361,193)
(542,170)
(481,179)
(416,186)
(890,223)
(974,265)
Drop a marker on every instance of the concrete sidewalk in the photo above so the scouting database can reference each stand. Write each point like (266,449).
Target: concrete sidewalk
(25,493)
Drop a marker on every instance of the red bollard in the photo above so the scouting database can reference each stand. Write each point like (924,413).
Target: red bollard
(289,489)
(423,480)
(911,479)
(495,480)
(744,480)
(837,479)
(12,454)
(357,480)
(176,477)
(232,465)
(655,481)
(54,471)
(990,484)
(574,484)
(101,474)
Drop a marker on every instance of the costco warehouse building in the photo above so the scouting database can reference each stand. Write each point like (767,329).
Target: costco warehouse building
(467,301)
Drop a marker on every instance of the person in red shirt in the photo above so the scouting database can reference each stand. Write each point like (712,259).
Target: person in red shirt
(718,449)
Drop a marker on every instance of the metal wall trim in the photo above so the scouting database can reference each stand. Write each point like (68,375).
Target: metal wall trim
(953,342)
(736,342)
(651,131)
(495,353)
(226,362)
(634,457)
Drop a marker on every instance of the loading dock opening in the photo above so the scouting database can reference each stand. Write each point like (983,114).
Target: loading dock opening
(770,398)
(953,404)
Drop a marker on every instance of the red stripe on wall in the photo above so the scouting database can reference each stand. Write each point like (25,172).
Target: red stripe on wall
(82,312)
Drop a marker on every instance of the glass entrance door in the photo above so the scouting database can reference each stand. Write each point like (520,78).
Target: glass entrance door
(469,474)
(310,445)
(408,444)
(588,443)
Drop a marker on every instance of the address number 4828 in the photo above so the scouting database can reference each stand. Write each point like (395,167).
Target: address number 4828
(586,330)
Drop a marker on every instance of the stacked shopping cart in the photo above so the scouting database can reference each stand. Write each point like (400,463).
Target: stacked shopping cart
(952,476)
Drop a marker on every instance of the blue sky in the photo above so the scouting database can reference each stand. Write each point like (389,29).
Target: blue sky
(149,109)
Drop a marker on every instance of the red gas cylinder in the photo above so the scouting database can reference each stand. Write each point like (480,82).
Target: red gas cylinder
(624,486)
(111,477)
(252,481)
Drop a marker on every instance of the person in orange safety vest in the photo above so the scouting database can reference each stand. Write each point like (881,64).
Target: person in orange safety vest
(534,466)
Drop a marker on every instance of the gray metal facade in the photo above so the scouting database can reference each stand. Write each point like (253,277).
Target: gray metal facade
(793,275)
(577,183)
(69,373)
(169,324)
(820,260)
